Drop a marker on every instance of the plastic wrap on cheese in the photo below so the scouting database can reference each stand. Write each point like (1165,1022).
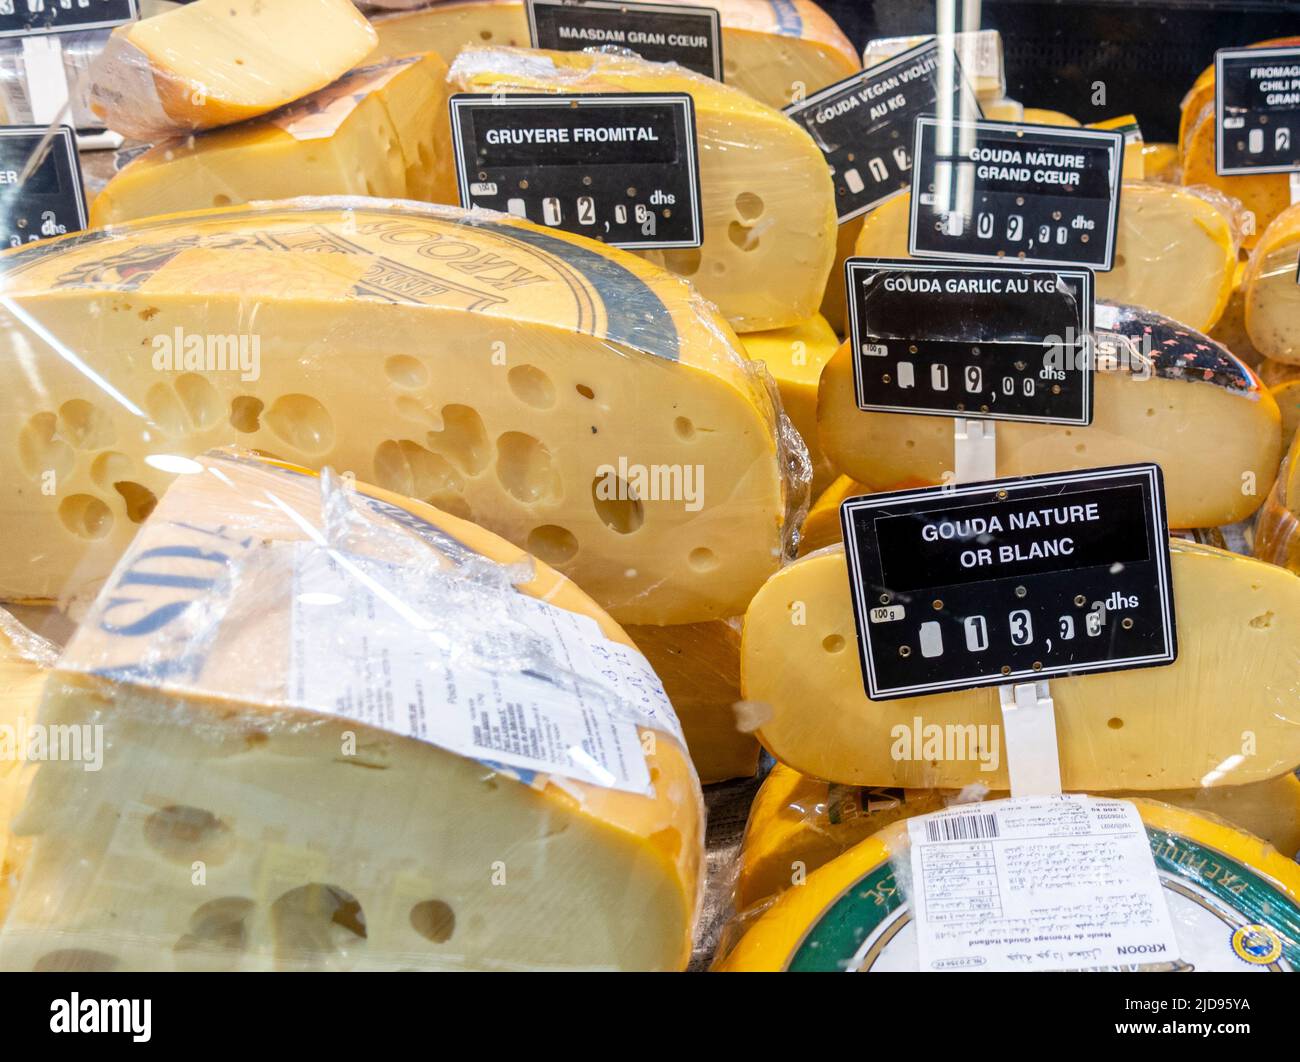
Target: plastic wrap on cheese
(382,737)
(571,397)
(1270,292)
(767,198)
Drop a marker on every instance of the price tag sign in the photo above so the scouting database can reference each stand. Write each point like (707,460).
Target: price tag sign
(1033,193)
(995,342)
(620,167)
(22,18)
(1012,580)
(661,33)
(48,200)
(1256,110)
(863,124)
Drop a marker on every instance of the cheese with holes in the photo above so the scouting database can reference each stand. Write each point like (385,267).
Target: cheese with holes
(353,819)
(213,62)
(1191,407)
(472,360)
(777,51)
(699,665)
(797,824)
(1271,294)
(378,131)
(1234,903)
(1175,250)
(1174,727)
(769,211)
(795,357)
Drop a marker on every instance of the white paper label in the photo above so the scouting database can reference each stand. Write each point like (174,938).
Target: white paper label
(1045,883)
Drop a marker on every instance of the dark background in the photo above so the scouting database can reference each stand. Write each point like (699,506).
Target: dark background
(1146,53)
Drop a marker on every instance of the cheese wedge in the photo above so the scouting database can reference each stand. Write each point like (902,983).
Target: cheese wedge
(768,200)
(699,665)
(1175,252)
(332,830)
(821,527)
(572,398)
(1263,195)
(777,51)
(378,131)
(1220,885)
(1271,294)
(213,62)
(795,357)
(798,824)
(1220,715)
(1191,407)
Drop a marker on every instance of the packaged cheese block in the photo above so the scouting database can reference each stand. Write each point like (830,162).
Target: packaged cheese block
(795,357)
(1271,294)
(777,51)
(213,62)
(378,131)
(699,665)
(574,399)
(797,824)
(385,738)
(768,201)
(1173,396)
(1220,715)
(1234,903)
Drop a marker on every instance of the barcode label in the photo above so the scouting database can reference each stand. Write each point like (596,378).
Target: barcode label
(962,828)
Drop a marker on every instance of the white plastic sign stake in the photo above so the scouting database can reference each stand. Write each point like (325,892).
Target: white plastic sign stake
(47,81)
(975,450)
(1029,726)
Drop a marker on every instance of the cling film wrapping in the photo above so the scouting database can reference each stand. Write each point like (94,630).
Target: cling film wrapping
(570,397)
(1270,289)
(360,720)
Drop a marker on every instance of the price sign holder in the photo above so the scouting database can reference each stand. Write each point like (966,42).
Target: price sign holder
(41,189)
(1256,110)
(622,168)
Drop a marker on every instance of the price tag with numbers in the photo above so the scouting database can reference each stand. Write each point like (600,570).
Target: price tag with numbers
(995,342)
(1256,110)
(1011,580)
(617,167)
(43,199)
(21,18)
(1036,194)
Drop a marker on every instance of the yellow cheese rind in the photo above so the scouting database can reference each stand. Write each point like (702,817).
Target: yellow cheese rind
(451,862)
(821,527)
(214,62)
(499,369)
(768,202)
(1173,727)
(378,131)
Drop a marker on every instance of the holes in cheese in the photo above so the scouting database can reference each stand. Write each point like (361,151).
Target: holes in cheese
(379,131)
(1175,250)
(768,201)
(327,834)
(1195,410)
(1237,669)
(214,62)
(774,57)
(531,379)
(1272,297)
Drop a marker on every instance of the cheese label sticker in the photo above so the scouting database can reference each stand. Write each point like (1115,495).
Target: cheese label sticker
(1036,194)
(1042,883)
(42,196)
(691,37)
(24,18)
(994,342)
(1256,110)
(863,124)
(1011,580)
(622,168)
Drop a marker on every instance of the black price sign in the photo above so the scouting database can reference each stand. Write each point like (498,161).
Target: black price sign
(662,33)
(619,167)
(995,342)
(1256,110)
(1034,193)
(44,199)
(1012,580)
(22,18)
(863,124)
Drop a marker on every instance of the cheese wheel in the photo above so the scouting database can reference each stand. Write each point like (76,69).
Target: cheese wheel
(1270,291)
(768,201)
(1194,409)
(1225,890)
(213,62)
(1154,728)
(1277,531)
(1283,383)
(1230,330)
(1201,94)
